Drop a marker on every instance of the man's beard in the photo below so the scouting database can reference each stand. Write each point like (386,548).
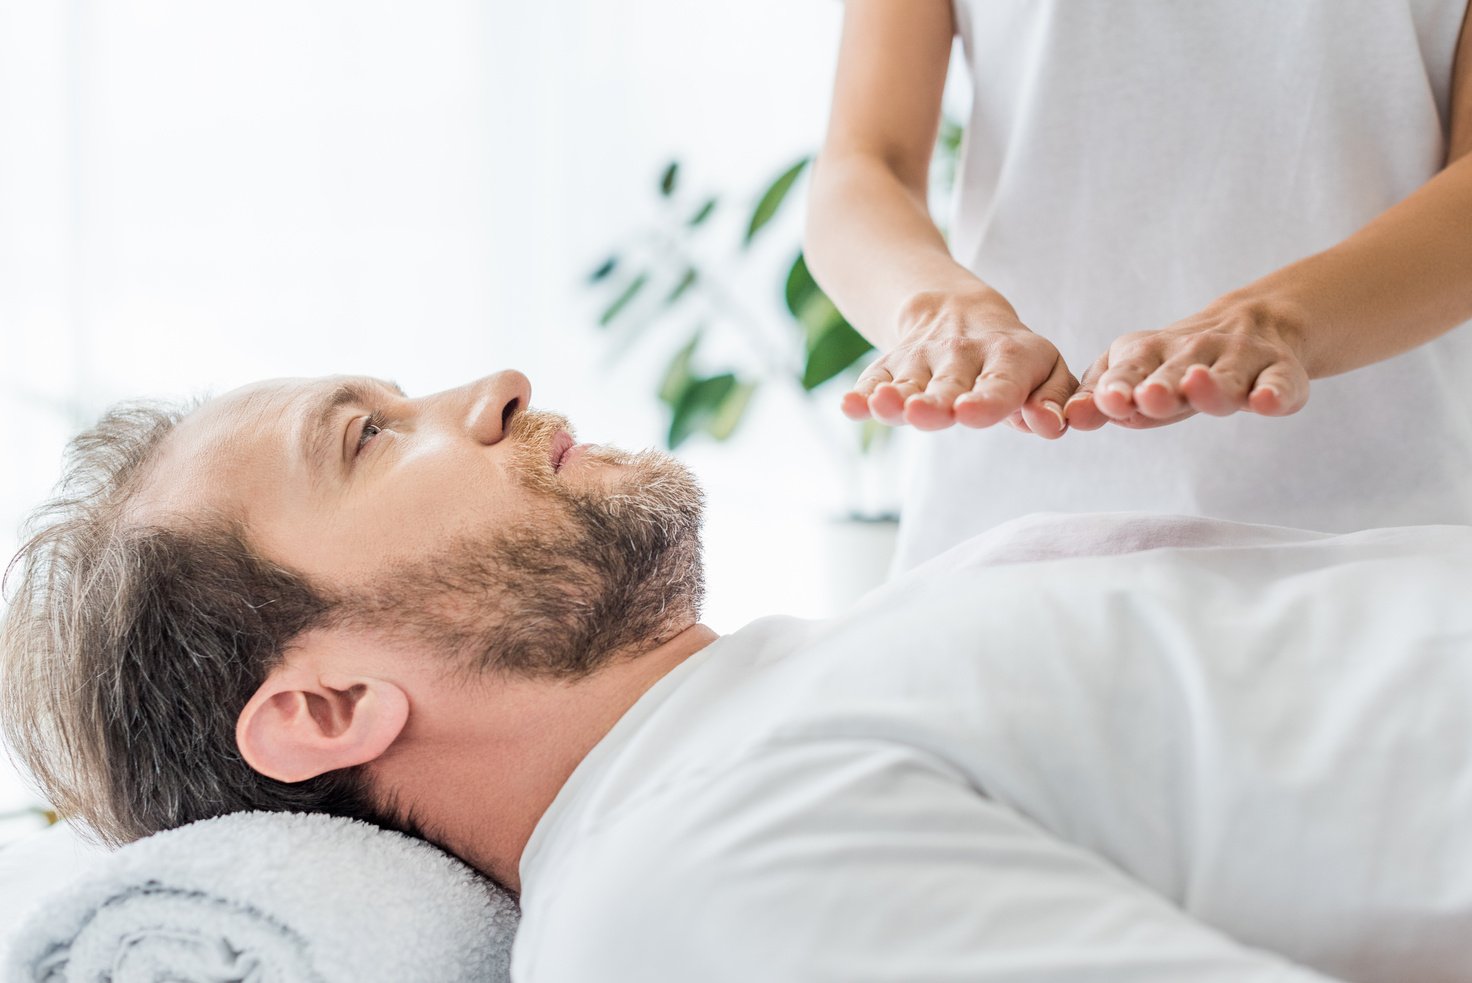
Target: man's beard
(608,567)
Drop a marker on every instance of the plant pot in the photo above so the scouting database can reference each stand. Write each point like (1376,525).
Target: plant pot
(857,550)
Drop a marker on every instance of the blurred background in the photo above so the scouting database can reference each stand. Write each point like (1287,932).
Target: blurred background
(606,196)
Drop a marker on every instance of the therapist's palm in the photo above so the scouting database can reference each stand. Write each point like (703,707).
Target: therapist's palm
(961,363)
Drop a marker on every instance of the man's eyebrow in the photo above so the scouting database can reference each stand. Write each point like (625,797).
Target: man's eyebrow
(318,434)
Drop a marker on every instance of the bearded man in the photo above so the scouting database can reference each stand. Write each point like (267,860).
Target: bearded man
(1118,747)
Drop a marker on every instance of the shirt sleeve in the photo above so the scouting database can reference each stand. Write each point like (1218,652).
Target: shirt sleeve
(857,862)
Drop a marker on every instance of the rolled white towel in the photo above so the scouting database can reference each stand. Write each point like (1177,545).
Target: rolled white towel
(266,897)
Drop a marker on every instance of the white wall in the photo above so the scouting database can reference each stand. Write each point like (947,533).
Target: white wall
(196,195)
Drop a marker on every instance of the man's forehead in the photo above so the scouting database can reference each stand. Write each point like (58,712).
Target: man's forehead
(285,401)
(278,391)
(243,409)
(229,443)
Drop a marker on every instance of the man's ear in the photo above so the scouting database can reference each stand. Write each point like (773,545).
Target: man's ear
(308,719)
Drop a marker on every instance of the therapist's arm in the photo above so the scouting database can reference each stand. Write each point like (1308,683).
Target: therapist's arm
(952,349)
(1399,282)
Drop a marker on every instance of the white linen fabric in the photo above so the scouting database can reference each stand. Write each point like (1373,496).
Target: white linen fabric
(267,897)
(1240,755)
(1129,161)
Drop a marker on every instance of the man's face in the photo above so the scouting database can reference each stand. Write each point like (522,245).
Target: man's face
(446,514)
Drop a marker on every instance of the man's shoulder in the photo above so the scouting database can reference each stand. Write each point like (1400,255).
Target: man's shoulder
(712,861)
(680,834)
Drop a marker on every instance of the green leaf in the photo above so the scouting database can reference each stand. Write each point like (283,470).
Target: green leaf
(835,350)
(668,178)
(948,141)
(818,316)
(703,212)
(687,280)
(771,200)
(622,300)
(800,286)
(698,405)
(677,377)
(601,273)
(946,159)
(731,410)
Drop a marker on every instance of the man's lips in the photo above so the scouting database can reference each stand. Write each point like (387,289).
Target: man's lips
(561,444)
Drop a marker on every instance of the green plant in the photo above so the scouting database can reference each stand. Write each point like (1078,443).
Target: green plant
(660,277)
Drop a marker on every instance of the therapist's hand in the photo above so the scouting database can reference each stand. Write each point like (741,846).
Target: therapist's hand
(1231,357)
(964,357)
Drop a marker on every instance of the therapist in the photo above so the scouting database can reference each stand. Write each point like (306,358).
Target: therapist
(1208,209)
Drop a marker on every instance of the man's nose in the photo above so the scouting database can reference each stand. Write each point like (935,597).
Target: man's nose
(492,402)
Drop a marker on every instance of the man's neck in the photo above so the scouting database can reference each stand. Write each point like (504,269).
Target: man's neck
(479,767)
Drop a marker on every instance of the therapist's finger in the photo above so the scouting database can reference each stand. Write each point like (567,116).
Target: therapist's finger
(1160,396)
(1013,365)
(882,389)
(931,410)
(997,393)
(855,402)
(1115,391)
(1280,389)
(1205,390)
(1080,411)
(1235,372)
(1016,422)
(1043,411)
(888,401)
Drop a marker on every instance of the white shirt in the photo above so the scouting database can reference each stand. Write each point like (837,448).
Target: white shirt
(1184,764)
(1126,163)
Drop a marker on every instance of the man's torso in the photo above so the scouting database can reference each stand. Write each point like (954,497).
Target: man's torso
(1272,737)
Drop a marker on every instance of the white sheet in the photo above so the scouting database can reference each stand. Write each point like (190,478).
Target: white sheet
(1205,760)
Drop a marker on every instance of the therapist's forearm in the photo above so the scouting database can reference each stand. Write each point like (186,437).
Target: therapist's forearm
(874,249)
(1402,280)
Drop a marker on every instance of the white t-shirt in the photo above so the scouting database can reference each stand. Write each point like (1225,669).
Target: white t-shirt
(1129,161)
(1186,764)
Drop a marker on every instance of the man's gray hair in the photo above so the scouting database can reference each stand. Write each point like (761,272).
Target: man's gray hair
(128,650)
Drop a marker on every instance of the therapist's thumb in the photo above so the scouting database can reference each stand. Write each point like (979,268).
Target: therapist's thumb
(1080,409)
(1043,411)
